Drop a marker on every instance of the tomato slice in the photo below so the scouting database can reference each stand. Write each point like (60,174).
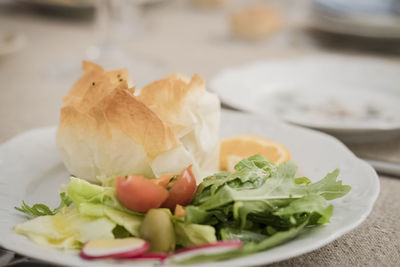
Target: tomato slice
(181,190)
(140,194)
(163,180)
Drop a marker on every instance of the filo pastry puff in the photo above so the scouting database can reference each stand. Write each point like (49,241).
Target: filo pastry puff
(107,130)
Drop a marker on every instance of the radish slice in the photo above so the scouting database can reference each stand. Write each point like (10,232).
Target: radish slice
(114,248)
(152,256)
(207,249)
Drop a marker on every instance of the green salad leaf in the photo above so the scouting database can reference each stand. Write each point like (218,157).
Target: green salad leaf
(101,201)
(245,236)
(329,187)
(279,189)
(188,235)
(68,229)
(261,204)
(311,204)
(43,210)
(131,222)
(91,203)
(250,173)
(248,248)
(82,192)
(120,232)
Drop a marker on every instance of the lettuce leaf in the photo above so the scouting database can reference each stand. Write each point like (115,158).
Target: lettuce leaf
(106,180)
(102,201)
(188,235)
(129,221)
(96,213)
(83,192)
(68,229)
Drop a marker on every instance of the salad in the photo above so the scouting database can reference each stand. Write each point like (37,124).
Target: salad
(229,214)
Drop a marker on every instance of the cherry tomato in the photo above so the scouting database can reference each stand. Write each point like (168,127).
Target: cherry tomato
(163,180)
(140,194)
(181,190)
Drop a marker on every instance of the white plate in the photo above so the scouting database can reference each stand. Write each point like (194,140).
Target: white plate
(31,170)
(364,18)
(62,7)
(354,98)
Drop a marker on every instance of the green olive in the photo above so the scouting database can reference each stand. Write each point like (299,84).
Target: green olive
(158,230)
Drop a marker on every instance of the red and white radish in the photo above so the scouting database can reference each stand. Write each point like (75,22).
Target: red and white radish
(152,256)
(207,249)
(114,248)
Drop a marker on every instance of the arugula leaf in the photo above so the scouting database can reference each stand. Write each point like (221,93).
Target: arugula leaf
(328,187)
(277,191)
(262,204)
(250,248)
(43,210)
(312,204)
(196,215)
(250,173)
(246,236)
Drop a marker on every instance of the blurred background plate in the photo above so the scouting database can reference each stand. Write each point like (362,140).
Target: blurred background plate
(367,18)
(62,7)
(353,98)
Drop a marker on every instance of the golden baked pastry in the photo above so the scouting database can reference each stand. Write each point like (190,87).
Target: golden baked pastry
(105,130)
